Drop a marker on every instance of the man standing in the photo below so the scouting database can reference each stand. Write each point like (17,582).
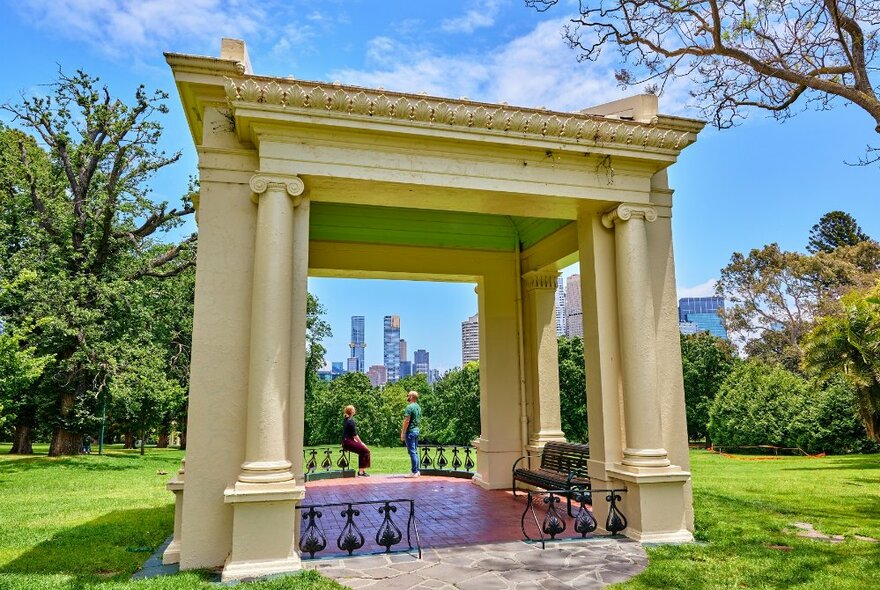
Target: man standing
(409,433)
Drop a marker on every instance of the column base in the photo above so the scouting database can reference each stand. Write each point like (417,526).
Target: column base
(539,439)
(652,458)
(245,570)
(263,529)
(171,555)
(654,503)
(494,467)
(266,472)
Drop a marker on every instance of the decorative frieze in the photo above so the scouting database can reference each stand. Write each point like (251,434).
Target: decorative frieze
(626,211)
(380,104)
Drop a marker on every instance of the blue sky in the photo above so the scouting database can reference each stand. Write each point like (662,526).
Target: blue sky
(735,190)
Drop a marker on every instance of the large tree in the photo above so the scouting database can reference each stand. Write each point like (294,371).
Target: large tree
(87,232)
(739,54)
(774,296)
(834,230)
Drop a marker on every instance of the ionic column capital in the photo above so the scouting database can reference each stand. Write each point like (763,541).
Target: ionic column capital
(537,279)
(627,211)
(260,183)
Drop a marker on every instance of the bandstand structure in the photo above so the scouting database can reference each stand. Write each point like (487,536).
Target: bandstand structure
(304,179)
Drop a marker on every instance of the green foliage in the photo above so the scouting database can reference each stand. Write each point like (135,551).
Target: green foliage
(835,229)
(829,422)
(452,411)
(379,412)
(706,362)
(758,405)
(20,368)
(83,239)
(848,344)
(572,389)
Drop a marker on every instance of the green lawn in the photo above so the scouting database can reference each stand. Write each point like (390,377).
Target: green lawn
(85,523)
(743,510)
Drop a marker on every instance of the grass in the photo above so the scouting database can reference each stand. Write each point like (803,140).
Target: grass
(88,522)
(745,510)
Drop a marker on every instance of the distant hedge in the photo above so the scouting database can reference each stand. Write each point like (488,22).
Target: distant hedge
(760,404)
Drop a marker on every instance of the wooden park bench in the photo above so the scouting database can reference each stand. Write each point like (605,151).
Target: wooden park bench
(563,467)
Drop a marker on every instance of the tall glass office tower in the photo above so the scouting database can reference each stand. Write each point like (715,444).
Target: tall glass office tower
(704,313)
(392,347)
(357,345)
(421,362)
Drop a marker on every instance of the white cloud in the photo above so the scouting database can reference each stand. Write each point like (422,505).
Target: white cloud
(706,289)
(482,15)
(126,28)
(535,69)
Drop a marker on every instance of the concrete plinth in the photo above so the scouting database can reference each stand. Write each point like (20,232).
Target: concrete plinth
(263,530)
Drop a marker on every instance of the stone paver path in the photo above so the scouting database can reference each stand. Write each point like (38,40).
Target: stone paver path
(591,563)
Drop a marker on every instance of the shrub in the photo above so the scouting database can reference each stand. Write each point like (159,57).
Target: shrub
(758,404)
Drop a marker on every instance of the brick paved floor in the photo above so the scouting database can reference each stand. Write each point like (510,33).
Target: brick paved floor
(449,511)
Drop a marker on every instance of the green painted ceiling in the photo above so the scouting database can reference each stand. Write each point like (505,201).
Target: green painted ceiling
(421,227)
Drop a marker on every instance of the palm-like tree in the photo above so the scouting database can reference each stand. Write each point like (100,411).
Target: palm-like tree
(849,343)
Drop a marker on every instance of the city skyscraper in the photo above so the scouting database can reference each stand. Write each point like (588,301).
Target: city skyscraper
(357,345)
(433,376)
(406,369)
(560,307)
(470,340)
(378,375)
(574,313)
(392,347)
(702,312)
(403,351)
(421,362)
(337,369)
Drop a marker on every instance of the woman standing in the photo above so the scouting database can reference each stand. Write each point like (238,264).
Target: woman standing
(352,442)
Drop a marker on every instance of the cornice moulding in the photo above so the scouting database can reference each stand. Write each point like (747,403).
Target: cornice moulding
(665,134)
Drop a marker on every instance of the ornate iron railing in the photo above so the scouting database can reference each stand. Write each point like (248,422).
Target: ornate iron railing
(449,460)
(555,521)
(347,522)
(321,464)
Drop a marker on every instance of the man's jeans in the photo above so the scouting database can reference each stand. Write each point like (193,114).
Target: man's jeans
(412,441)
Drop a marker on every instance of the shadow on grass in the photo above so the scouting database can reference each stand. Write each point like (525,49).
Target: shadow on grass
(855,462)
(117,543)
(38,463)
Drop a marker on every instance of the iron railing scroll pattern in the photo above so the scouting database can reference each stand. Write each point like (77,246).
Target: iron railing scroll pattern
(352,521)
(448,460)
(319,463)
(554,523)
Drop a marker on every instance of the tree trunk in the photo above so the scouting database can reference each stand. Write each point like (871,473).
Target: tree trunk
(22,444)
(162,441)
(129,441)
(64,441)
(143,441)
(183,441)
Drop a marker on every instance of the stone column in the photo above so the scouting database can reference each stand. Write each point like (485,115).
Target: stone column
(269,376)
(638,354)
(266,493)
(542,358)
(298,338)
